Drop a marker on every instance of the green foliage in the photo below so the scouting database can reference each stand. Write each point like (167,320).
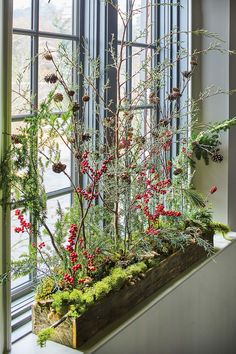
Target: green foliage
(60,301)
(194,198)
(45,289)
(220,228)
(136,269)
(44,335)
(102,288)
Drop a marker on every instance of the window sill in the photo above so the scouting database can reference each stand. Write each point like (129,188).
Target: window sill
(28,345)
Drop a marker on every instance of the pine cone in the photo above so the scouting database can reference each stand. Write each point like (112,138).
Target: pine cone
(58,97)
(71,93)
(51,78)
(178,171)
(85,98)
(58,167)
(75,107)
(47,56)
(86,137)
(216,157)
(187,74)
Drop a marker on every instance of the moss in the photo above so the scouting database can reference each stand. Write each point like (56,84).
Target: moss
(45,289)
(118,278)
(78,301)
(136,269)
(60,301)
(44,335)
(88,297)
(102,288)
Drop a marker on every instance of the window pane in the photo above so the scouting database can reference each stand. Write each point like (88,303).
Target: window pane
(56,16)
(56,46)
(52,205)
(141,71)
(21,53)
(54,181)
(141,21)
(121,17)
(22,14)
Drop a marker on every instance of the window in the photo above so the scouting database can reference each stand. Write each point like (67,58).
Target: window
(38,24)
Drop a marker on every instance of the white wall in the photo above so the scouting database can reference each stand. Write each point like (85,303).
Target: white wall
(218,16)
(198,316)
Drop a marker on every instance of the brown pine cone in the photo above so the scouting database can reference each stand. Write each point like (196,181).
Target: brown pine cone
(51,78)
(178,171)
(47,56)
(75,107)
(85,98)
(71,93)
(58,167)
(58,97)
(187,74)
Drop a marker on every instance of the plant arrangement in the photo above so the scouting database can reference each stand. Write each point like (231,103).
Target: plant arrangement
(133,201)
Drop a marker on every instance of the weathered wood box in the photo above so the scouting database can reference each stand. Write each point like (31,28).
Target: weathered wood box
(74,333)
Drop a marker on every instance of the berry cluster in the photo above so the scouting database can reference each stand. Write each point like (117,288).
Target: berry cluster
(95,175)
(87,259)
(68,278)
(24,225)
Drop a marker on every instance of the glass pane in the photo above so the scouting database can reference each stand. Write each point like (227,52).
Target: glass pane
(122,14)
(54,181)
(22,14)
(58,48)
(19,245)
(52,205)
(56,16)
(123,74)
(21,53)
(141,75)
(141,21)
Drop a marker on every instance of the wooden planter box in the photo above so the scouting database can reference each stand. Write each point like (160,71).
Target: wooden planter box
(75,332)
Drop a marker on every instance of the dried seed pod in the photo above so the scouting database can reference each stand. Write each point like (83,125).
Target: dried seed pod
(71,93)
(164,122)
(47,56)
(186,74)
(153,99)
(216,157)
(78,155)
(178,171)
(85,98)
(175,89)
(58,167)
(86,137)
(51,78)
(75,107)
(58,97)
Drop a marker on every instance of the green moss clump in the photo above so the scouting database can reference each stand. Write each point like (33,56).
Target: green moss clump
(88,297)
(44,335)
(45,289)
(102,288)
(136,269)
(60,301)
(118,278)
